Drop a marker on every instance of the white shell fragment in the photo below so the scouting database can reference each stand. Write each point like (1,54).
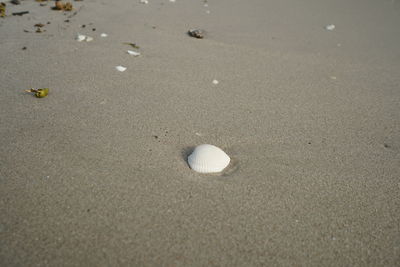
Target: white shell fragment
(208,159)
(330,27)
(120,68)
(103,35)
(143,1)
(133,53)
(80,37)
(215,82)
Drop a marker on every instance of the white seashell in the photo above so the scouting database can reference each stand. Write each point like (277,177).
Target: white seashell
(104,35)
(80,37)
(215,82)
(208,159)
(330,27)
(143,1)
(120,68)
(172,1)
(89,39)
(133,53)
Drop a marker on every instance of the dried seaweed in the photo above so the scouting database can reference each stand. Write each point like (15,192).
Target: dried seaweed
(40,93)
(133,45)
(2,9)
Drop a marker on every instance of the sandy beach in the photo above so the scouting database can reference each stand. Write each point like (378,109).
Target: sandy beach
(96,173)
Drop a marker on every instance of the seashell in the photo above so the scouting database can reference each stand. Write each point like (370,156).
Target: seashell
(144,1)
(196,33)
(120,68)
(215,82)
(133,53)
(104,35)
(89,39)
(330,27)
(208,159)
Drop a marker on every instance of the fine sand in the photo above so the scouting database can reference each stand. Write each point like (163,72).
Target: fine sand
(95,174)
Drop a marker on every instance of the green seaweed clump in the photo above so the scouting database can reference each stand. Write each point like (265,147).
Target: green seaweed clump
(40,93)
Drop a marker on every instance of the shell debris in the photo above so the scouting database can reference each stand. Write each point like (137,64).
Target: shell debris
(215,82)
(330,27)
(196,33)
(103,35)
(121,68)
(81,38)
(144,2)
(133,53)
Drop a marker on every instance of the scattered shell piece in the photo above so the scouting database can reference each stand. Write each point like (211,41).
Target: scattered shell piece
(133,53)
(172,1)
(104,35)
(330,27)
(80,37)
(208,159)
(215,82)
(120,68)
(143,1)
(196,33)
(333,77)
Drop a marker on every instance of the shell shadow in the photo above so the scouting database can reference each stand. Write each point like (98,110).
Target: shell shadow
(185,152)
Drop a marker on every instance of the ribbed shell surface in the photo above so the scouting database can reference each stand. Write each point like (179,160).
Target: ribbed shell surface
(208,159)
